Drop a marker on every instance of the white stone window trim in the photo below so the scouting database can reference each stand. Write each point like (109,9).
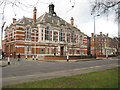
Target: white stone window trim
(28,33)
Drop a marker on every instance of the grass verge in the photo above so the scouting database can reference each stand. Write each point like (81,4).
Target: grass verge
(101,79)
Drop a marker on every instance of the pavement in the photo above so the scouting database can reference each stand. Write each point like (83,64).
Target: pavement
(32,70)
(4,62)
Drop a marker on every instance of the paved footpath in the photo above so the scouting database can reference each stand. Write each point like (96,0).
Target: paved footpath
(26,71)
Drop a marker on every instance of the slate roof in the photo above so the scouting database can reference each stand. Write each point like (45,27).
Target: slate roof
(48,18)
(99,36)
(25,21)
(45,18)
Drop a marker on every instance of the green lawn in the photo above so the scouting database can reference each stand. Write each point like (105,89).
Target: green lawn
(101,79)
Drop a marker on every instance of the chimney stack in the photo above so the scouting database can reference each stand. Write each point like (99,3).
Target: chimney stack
(34,14)
(92,34)
(14,20)
(100,33)
(72,21)
(107,34)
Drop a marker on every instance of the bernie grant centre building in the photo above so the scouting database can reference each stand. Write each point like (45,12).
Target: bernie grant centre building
(46,35)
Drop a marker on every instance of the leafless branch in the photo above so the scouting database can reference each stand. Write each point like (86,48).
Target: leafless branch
(4,9)
(14,4)
(1,2)
(105,7)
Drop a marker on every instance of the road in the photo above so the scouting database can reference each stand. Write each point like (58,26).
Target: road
(26,71)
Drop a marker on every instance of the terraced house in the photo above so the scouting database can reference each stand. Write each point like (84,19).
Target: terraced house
(46,35)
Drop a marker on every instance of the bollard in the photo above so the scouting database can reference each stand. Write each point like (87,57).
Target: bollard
(26,57)
(33,57)
(106,54)
(37,57)
(107,57)
(67,58)
(8,61)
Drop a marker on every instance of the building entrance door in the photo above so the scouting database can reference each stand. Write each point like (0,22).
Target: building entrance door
(62,50)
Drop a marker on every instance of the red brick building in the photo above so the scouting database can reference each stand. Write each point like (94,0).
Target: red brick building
(46,35)
(102,43)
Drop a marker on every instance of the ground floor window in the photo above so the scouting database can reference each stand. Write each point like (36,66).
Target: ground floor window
(77,51)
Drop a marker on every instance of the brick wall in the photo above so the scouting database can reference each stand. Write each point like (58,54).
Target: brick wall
(65,57)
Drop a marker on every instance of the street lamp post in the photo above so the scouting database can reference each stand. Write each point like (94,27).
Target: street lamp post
(35,53)
(2,34)
(35,45)
(94,36)
(117,46)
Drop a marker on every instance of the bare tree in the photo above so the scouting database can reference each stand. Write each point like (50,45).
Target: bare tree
(106,7)
(13,3)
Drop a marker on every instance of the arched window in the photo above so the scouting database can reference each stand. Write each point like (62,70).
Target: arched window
(28,33)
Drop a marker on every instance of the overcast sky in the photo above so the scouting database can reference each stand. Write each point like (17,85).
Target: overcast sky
(81,13)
